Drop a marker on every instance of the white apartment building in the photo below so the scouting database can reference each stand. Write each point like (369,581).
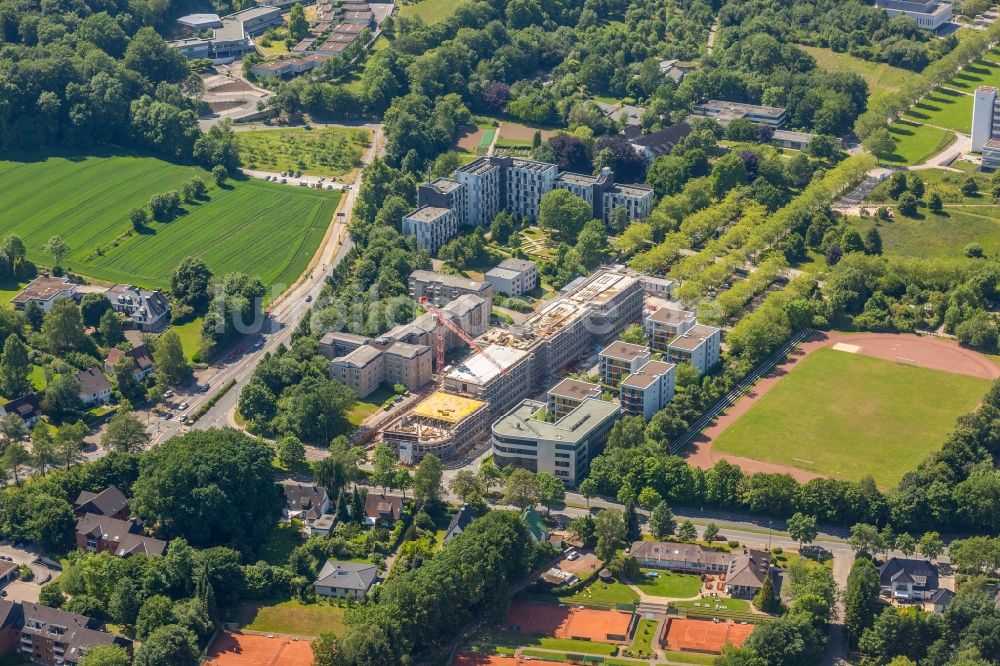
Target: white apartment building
(985,117)
(665,324)
(636,199)
(700,346)
(525,183)
(620,359)
(563,448)
(483,181)
(513,277)
(647,391)
(444,193)
(431,226)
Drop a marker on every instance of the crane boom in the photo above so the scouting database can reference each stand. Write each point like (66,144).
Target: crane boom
(444,322)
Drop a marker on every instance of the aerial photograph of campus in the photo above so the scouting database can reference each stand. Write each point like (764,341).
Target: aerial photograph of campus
(499,332)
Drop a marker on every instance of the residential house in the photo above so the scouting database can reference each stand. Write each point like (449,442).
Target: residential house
(659,144)
(95,389)
(621,359)
(462,519)
(147,310)
(11,620)
(700,346)
(747,572)
(682,557)
(121,538)
(304,501)
(513,277)
(939,600)
(110,502)
(648,390)
(141,357)
(58,638)
(345,579)
(908,579)
(323,525)
(28,407)
(44,291)
(536,528)
(382,509)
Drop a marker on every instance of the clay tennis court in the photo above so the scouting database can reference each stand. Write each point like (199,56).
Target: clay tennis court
(906,348)
(563,622)
(235,649)
(469,659)
(704,635)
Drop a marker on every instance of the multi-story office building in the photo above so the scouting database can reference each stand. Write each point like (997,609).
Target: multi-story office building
(483,181)
(725,112)
(985,117)
(563,447)
(513,277)
(431,226)
(700,346)
(928,14)
(567,395)
(649,389)
(441,288)
(444,193)
(620,359)
(525,181)
(665,324)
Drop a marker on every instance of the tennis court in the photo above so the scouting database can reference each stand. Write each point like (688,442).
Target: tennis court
(470,659)
(704,635)
(586,624)
(236,649)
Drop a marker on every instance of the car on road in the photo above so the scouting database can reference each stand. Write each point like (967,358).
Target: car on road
(204,387)
(258,343)
(182,406)
(309,298)
(387,407)
(184,418)
(399,398)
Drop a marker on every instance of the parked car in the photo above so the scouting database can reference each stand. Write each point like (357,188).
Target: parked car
(168,394)
(182,406)
(204,387)
(258,343)
(184,418)
(399,398)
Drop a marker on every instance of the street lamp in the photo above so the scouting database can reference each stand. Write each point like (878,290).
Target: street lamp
(769,523)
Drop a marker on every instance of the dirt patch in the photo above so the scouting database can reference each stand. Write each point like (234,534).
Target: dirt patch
(921,351)
(468,138)
(582,566)
(232,86)
(519,132)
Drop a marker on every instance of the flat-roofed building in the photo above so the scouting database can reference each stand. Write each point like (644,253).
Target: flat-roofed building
(432,227)
(526,182)
(725,112)
(985,117)
(792,140)
(563,448)
(44,291)
(483,182)
(443,424)
(513,277)
(383,361)
(468,312)
(441,288)
(620,359)
(665,324)
(478,377)
(444,193)
(649,389)
(637,200)
(200,21)
(928,14)
(567,395)
(991,155)
(658,287)
(700,346)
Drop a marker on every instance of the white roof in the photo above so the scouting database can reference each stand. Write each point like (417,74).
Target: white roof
(477,369)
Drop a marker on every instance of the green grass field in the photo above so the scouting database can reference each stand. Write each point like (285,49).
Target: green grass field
(292,617)
(947,184)
(982,73)
(853,415)
(915,143)
(283,541)
(504,642)
(879,76)
(327,151)
(946,108)
(942,235)
(430,11)
(604,593)
(260,228)
(669,584)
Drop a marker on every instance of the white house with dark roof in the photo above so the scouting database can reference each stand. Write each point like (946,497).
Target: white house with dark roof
(345,579)
(147,310)
(461,520)
(908,579)
(304,501)
(700,346)
(648,390)
(94,387)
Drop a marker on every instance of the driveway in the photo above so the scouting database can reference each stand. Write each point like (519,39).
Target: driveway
(43,573)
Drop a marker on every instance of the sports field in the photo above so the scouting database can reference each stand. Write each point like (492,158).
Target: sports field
(260,228)
(326,151)
(232,649)
(705,635)
(851,415)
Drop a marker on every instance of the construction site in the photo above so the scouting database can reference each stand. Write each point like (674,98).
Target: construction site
(443,424)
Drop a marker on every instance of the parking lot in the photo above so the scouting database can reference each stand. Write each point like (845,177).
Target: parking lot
(18,590)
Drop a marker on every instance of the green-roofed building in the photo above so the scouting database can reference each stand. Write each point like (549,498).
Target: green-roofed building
(535,525)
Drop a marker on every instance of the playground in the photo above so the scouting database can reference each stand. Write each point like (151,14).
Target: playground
(703,635)
(589,624)
(238,649)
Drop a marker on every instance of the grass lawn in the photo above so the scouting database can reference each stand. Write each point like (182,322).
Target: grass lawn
(879,76)
(946,184)
(326,151)
(283,541)
(190,335)
(944,108)
(604,593)
(733,605)
(372,403)
(942,235)
(690,657)
(9,290)
(260,228)
(645,632)
(430,11)
(916,143)
(833,405)
(982,73)
(669,584)
(502,642)
(291,617)
(37,377)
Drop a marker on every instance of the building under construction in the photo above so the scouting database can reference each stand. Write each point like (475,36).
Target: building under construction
(443,424)
(480,376)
